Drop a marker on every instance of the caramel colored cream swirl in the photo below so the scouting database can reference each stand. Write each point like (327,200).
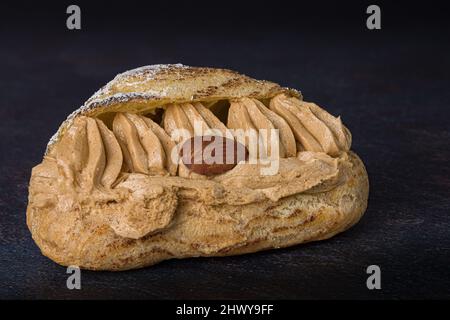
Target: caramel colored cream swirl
(145,145)
(183,121)
(89,154)
(253,115)
(313,128)
(92,155)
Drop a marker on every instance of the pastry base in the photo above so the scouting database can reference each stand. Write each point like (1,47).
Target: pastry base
(232,230)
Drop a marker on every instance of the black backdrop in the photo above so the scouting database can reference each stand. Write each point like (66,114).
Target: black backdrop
(390,86)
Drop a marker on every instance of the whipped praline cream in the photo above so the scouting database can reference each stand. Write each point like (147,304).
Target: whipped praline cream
(124,170)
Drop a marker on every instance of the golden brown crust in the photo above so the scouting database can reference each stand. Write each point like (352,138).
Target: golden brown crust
(143,89)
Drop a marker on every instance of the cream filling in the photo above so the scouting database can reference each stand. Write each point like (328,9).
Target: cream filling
(126,176)
(251,114)
(314,128)
(140,204)
(89,155)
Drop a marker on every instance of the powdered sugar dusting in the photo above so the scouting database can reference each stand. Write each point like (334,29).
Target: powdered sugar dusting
(146,73)
(124,97)
(149,71)
(52,140)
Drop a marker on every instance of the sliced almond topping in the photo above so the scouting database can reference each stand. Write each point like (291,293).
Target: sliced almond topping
(113,153)
(211,155)
(150,143)
(128,138)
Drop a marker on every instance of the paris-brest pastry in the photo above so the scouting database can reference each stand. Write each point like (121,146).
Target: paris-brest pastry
(117,189)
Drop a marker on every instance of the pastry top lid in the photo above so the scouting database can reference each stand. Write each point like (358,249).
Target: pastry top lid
(146,88)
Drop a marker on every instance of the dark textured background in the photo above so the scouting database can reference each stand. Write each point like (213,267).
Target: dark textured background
(390,86)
